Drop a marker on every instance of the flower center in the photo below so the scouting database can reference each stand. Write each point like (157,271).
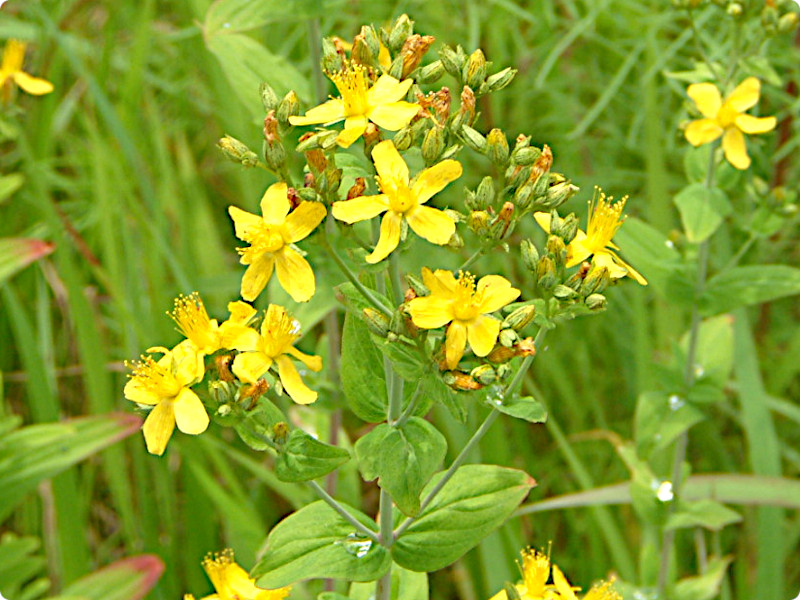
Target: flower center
(266,238)
(465,300)
(727,116)
(193,322)
(156,379)
(353,83)
(605,219)
(279,331)
(401,198)
(535,572)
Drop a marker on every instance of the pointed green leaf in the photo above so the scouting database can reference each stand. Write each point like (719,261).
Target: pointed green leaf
(752,284)
(709,514)
(526,408)
(361,372)
(705,586)
(304,458)
(242,15)
(702,210)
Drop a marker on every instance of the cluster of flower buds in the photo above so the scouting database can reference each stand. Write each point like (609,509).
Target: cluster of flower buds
(473,70)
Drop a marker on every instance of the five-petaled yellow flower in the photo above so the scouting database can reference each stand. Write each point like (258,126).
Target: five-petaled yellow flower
(605,218)
(465,306)
(205,334)
(232,582)
(279,331)
(727,119)
(11,70)
(402,200)
(362,101)
(270,237)
(165,385)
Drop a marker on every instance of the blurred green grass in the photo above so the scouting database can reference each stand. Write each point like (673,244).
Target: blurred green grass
(122,173)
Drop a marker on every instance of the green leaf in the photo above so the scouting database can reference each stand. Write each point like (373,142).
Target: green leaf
(10,184)
(361,372)
(247,64)
(522,407)
(37,452)
(241,15)
(127,579)
(406,360)
(436,390)
(705,586)
(257,423)
(751,284)
(702,210)
(714,356)
(477,500)
(317,542)
(18,253)
(709,514)
(406,585)
(402,458)
(660,419)
(760,66)
(304,458)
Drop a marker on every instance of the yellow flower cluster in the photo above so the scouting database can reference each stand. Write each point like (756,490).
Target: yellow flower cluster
(231,582)
(536,572)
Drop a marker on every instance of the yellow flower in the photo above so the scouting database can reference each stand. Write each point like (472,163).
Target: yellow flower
(165,385)
(274,345)
(604,220)
(465,306)
(727,119)
(402,200)
(535,573)
(270,237)
(600,591)
(232,582)
(11,69)
(205,334)
(362,101)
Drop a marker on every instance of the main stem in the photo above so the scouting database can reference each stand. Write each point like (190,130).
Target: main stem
(689,375)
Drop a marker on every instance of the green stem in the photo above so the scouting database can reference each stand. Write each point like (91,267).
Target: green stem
(476,437)
(478,253)
(412,404)
(363,529)
(314,37)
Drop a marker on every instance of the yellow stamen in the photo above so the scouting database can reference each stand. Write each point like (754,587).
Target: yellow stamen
(192,319)
(279,332)
(215,566)
(535,572)
(605,219)
(154,378)
(466,303)
(353,83)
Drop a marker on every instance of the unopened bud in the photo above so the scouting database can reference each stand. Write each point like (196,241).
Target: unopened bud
(307,194)
(357,189)
(431,73)
(559,193)
(564,292)
(596,281)
(526,155)
(546,272)
(280,432)
(735,9)
(498,81)
(415,283)
(769,16)
(460,381)
(361,53)
(517,176)
(530,255)
(596,302)
(268,97)
(289,107)
(503,221)
(479,222)
(402,28)
(473,139)
(371,39)
(788,22)
(474,71)
(567,228)
(467,108)
(497,147)
(507,337)
(404,138)
(525,195)
(484,195)
(557,250)
(456,242)
(575,280)
(484,374)
(237,152)
(320,140)
(433,145)
(452,61)
(333,179)
(332,56)
(376,322)
(520,318)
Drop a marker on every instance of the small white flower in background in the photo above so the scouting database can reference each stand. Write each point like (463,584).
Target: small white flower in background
(1,594)
(798,595)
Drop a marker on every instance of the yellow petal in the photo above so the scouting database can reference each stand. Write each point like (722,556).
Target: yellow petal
(501,595)
(33,85)
(482,334)
(433,180)
(578,250)
(562,585)
(275,203)
(388,89)
(431,312)
(187,363)
(707,98)
(393,116)
(497,292)
(354,128)
(750,124)
(158,427)
(439,282)
(244,222)
(241,312)
(702,131)
(735,149)
(360,209)
(392,169)
(303,220)
(745,95)
(250,366)
(295,275)
(543,219)
(292,383)
(432,224)
(617,267)
(313,362)
(190,414)
(454,344)
(326,113)
(246,340)
(135,392)
(389,238)
(13,56)
(256,276)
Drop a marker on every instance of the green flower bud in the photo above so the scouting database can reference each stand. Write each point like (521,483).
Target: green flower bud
(361,53)
(431,73)
(520,318)
(497,147)
(371,39)
(415,283)
(433,145)
(507,337)
(484,195)
(556,248)
(596,281)
(525,196)
(456,242)
(501,79)
(331,59)
(568,228)
(402,28)
(289,107)
(321,140)
(474,71)
(563,292)
(404,138)
(237,152)
(526,155)
(268,97)
(788,22)
(484,374)
(308,194)
(280,432)
(517,176)
(560,192)
(479,222)
(452,61)
(546,272)
(396,70)
(596,302)
(530,255)
(473,139)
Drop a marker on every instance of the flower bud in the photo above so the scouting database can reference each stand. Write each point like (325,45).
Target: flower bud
(596,281)
(320,140)
(460,381)
(361,53)
(334,180)
(268,97)
(237,152)
(431,73)
(473,139)
(502,222)
(496,82)
(484,374)
(520,318)
(289,107)
(371,39)
(769,17)
(479,222)
(735,9)
(526,155)
(560,192)
(433,145)
(530,255)
(474,71)
(497,147)
(563,292)
(404,138)
(307,194)
(525,195)
(376,322)
(788,22)
(557,250)
(546,272)
(452,61)
(280,433)
(567,228)
(414,48)
(415,283)
(274,152)
(372,135)
(507,337)
(456,242)
(402,28)
(484,195)
(332,56)
(596,302)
